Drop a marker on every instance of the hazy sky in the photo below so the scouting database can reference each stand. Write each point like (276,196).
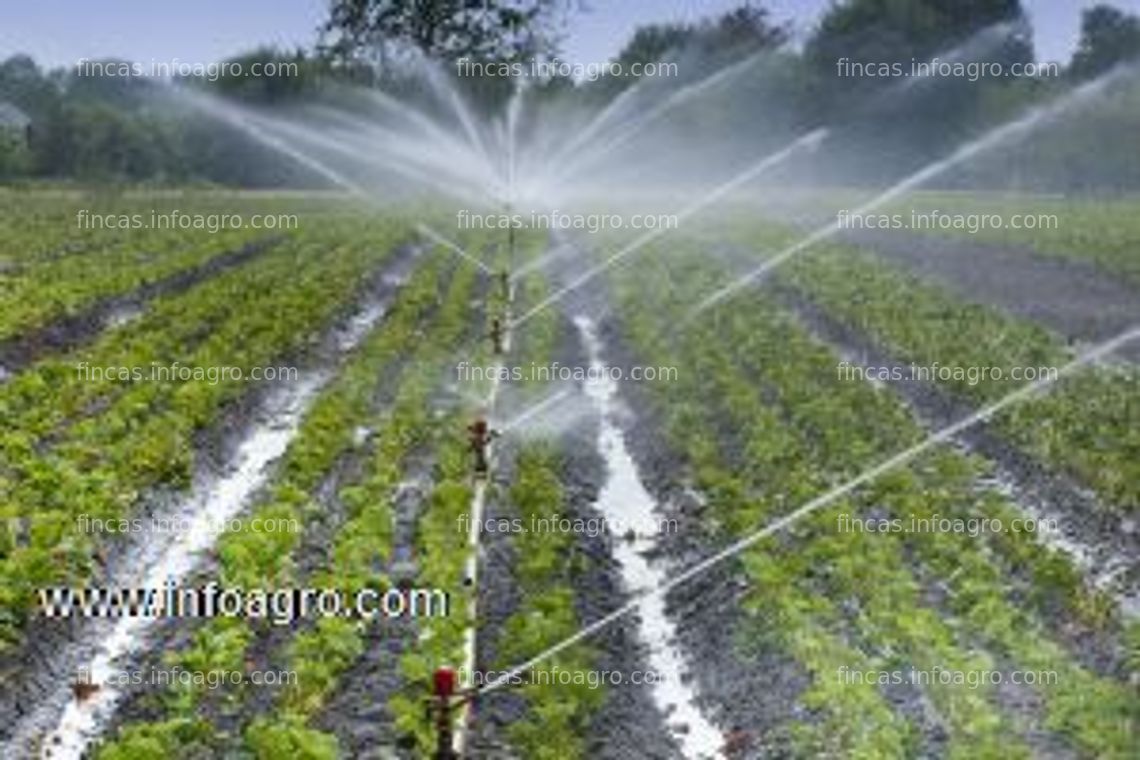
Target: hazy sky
(62,31)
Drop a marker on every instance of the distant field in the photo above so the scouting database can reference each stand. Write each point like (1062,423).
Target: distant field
(1105,232)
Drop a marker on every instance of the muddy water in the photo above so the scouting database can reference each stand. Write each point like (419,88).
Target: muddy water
(625,501)
(106,652)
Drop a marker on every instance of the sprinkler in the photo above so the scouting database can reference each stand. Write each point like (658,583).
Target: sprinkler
(446,697)
(505,284)
(504,273)
(504,277)
(443,693)
(480,436)
(497,334)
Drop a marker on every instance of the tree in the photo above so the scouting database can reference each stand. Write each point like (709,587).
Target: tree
(1108,36)
(267,75)
(862,50)
(733,34)
(902,31)
(22,83)
(481,30)
(15,159)
(745,29)
(912,27)
(653,43)
(704,46)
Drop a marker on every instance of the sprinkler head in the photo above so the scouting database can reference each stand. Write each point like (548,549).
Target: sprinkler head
(443,682)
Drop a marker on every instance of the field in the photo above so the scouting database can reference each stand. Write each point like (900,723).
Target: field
(975,598)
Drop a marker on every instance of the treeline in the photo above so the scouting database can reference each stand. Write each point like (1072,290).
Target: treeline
(109,120)
(854,74)
(81,123)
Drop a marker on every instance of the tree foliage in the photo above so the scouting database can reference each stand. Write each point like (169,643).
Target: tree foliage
(898,30)
(737,32)
(483,30)
(129,128)
(1108,36)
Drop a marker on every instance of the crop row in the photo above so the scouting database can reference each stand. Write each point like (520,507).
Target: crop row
(785,430)
(1086,428)
(99,464)
(814,622)
(60,390)
(412,425)
(319,653)
(41,229)
(1089,427)
(557,715)
(87,266)
(442,549)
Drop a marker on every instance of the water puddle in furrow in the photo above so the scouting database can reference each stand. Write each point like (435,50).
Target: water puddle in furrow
(625,501)
(1106,568)
(359,325)
(122,316)
(160,563)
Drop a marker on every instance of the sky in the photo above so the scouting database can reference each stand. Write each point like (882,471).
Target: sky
(60,32)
